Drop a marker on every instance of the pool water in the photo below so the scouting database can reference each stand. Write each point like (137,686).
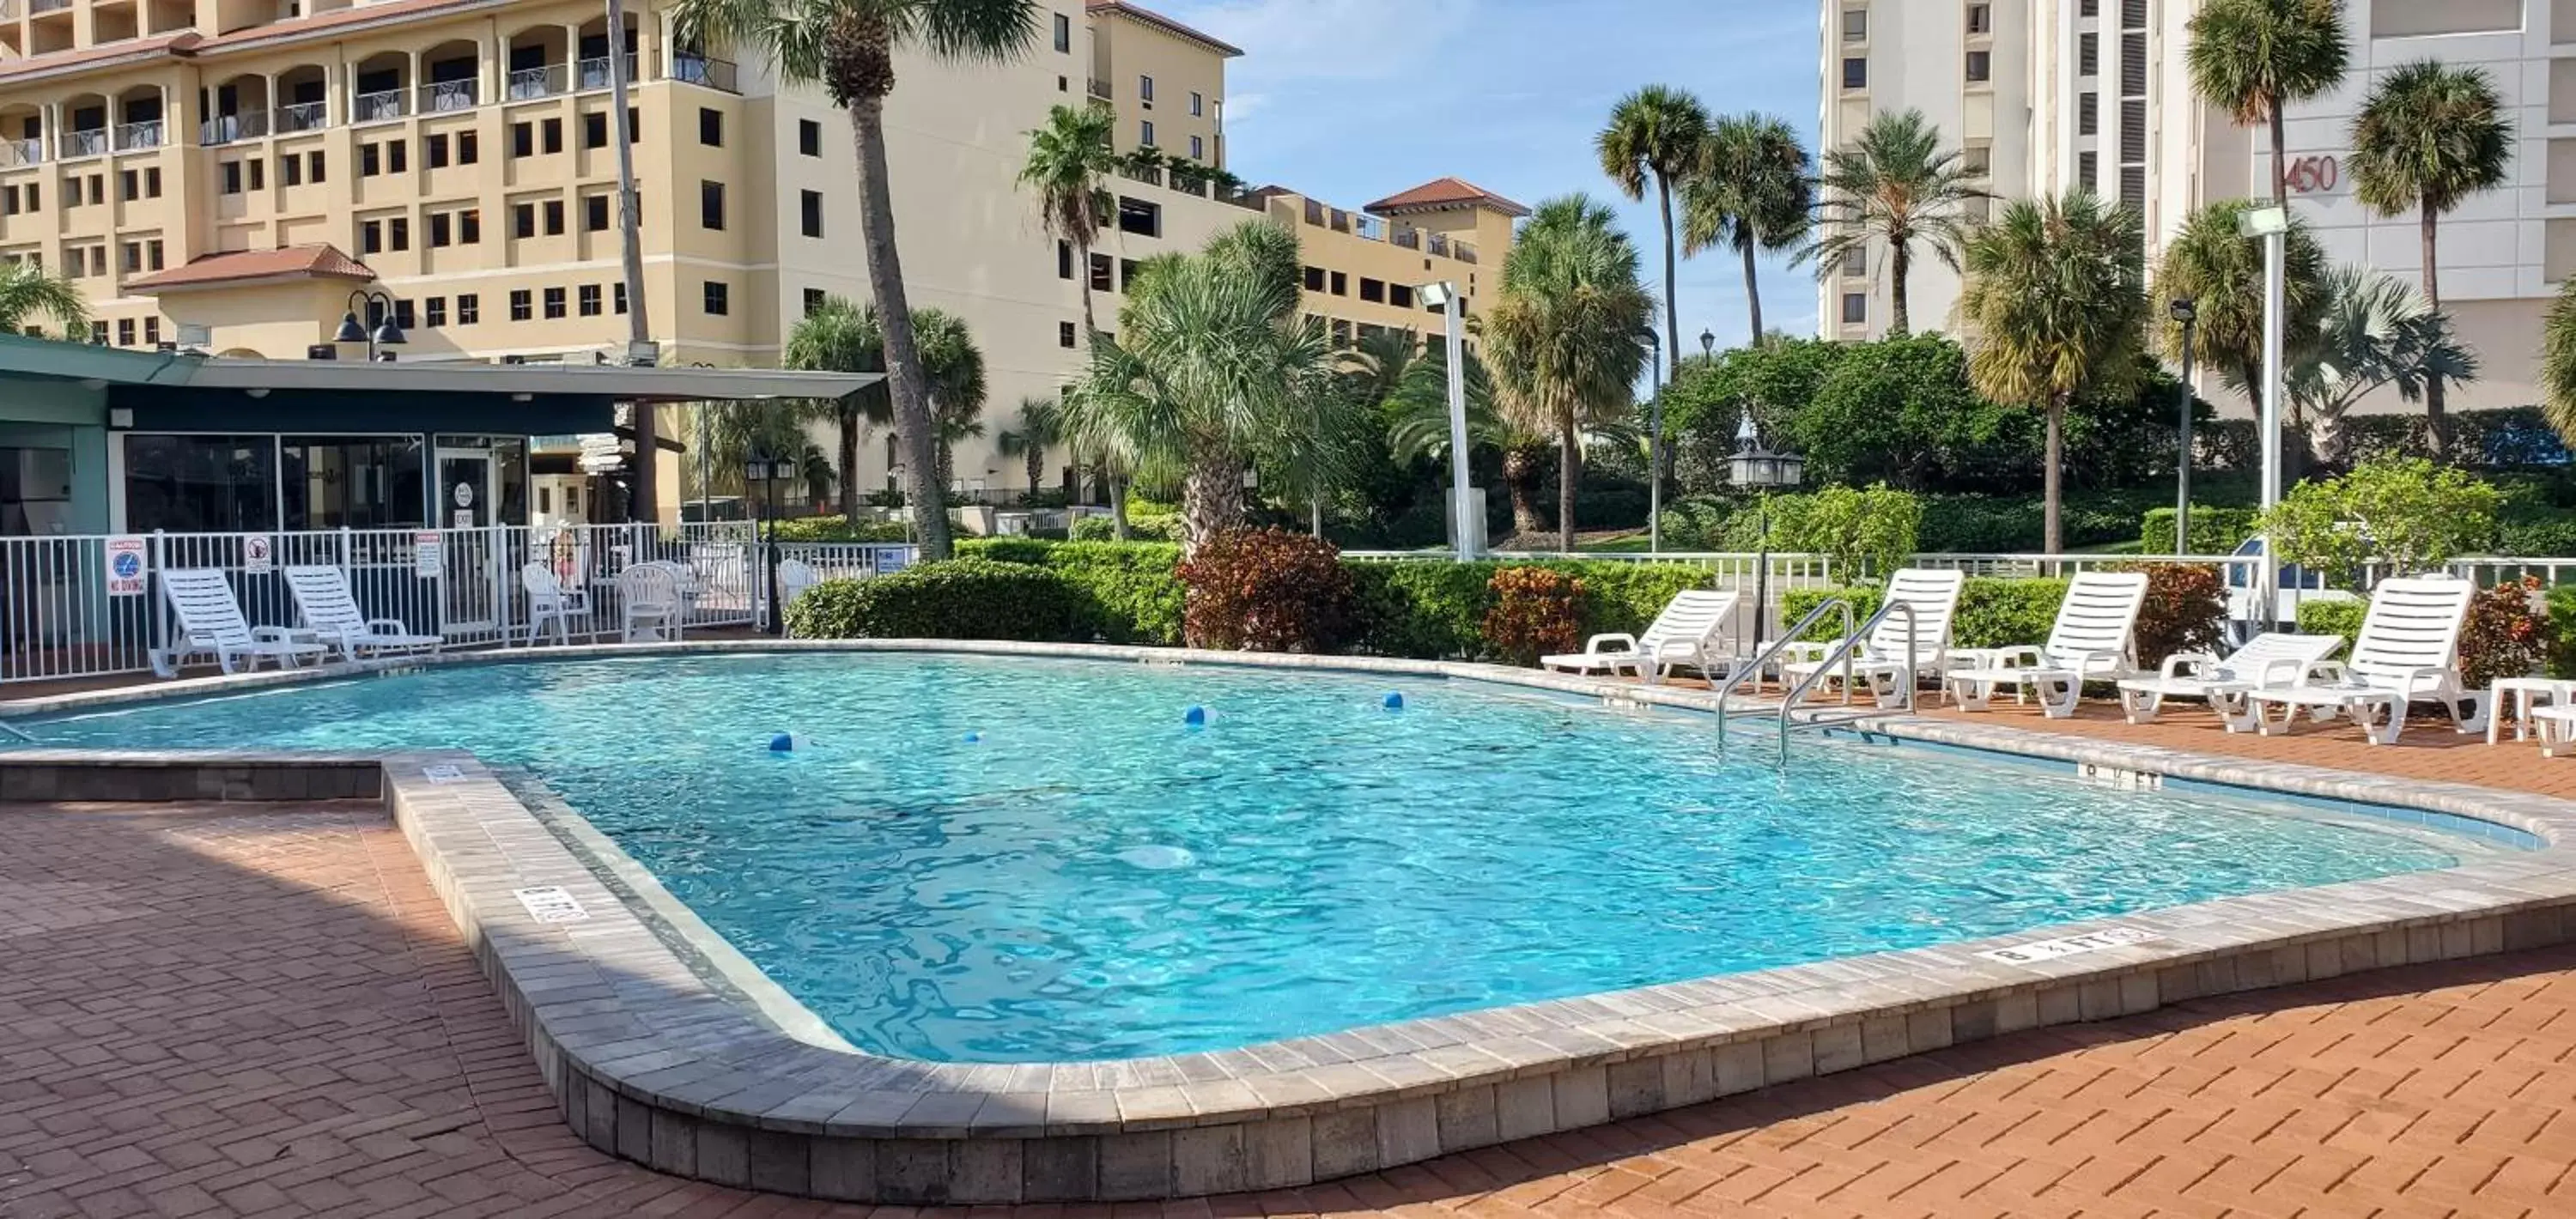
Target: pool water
(1007,859)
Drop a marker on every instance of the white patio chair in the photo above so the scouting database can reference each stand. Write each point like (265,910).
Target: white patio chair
(1685,633)
(794,577)
(649,606)
(2408,651)
(549,602)
(2266,662)
(322,597)
(1881,658)
(2093,639)
(211,624)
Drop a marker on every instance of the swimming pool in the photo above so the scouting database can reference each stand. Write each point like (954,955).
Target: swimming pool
(1002,859)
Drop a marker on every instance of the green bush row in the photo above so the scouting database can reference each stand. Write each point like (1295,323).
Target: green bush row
(2214,530)
(1994,612)
(966,598)
(1128,592)
(838,529)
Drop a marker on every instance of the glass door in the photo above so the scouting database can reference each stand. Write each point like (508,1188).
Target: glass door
(463,514)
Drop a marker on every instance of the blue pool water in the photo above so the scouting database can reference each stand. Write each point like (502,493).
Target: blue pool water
(995,860)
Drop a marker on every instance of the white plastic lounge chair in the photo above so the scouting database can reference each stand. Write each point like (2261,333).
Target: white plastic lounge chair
(1881,659)
(2092,640)
(549,602)
(1685,633)
(322,597)
(649,606)
(2408,651)
(2269,661)
(794,577)
(211,624)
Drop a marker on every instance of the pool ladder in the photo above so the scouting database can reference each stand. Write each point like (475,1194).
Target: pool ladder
(1841,650)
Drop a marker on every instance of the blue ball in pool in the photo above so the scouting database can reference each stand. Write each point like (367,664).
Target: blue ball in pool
(1394,701)
(1195,717)
(782,743)
(973,737)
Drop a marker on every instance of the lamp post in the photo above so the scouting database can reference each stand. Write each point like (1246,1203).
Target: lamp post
(706,491)
(759,467)
(2272,225)
(1655,444)
(1443,295)
(1759,468)
(2187,313)
(384,334)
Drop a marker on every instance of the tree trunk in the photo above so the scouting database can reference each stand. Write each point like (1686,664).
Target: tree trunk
(1521,477)
(1082,273)
(2333,441)
(1317,524)
(1569,471)
(2052,479)
(906,382)
(1036,459)
(1117,506)
(646,502)
(1900,260)
(2280,161)
(1212,495)
(1672,312)
(1752,295)
(851,425)
(2437,426)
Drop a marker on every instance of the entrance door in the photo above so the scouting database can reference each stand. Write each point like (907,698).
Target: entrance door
(464,516)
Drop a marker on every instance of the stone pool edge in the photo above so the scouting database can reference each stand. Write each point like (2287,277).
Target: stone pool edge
(652,1064)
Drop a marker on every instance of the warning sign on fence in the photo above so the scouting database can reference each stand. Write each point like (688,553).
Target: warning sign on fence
(127,569)
(258,553)
(425,560)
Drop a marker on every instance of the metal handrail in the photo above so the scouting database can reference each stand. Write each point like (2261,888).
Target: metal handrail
(1753,667)
(1843,651)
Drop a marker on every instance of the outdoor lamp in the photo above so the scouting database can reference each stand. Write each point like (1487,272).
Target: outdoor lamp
(385,334)
(1436,295)
(1708,344)
(2184,311)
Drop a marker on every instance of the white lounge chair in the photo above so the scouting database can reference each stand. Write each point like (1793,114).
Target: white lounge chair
(2093,639)
(1685,633)
(322,597)
(650,607)
(794,577)
(2408,651)
(1882,657)
(211,624)
(549,602)
(2269,661)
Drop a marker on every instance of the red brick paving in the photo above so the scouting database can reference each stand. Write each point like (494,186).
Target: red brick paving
(255,1010)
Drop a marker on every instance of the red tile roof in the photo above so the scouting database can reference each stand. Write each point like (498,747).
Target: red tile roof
(1163,23)
(1445,192)
(294,262)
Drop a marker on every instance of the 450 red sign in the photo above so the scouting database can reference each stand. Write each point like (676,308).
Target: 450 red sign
(2315,175)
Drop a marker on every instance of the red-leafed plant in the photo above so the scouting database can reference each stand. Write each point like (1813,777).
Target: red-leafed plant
(1266,590)
(2504,636)
(1536,613)
(2185,611)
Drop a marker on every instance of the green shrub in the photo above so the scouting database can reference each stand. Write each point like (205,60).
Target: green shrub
(967,598)
(1861,531)
(2000,613)
(1266,590)
(2562,631)
(1132,591)
(1798,603)
(2214,530)
(1977,524)
(1032,551)
(1139,529)
(2407,513)
(2341,619)
(1433,610)
(838,529)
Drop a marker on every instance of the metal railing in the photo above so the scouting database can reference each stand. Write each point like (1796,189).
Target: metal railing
(850,560)
(446,96)
(1753,667)
(592,73)
(226,128)
(718,74)
(302,116)
(145,134)
(22,152)
(90,606)
(48,6)
(1097,88)
(525,84)
(89,143)
(1843,650)
(378,107)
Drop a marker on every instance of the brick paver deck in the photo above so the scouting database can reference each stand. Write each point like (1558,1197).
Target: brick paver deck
(260,1010)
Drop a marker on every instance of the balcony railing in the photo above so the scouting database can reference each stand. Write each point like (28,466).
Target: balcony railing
(377,107)
(302,116)
(1440,244)
(592,73)
(1099,88)
(1410,239)
(226,128)
(717,74)
(526,84)
(22,152)
(445,96)
(48,6)
(145,134)
(1463,252)
(90,143)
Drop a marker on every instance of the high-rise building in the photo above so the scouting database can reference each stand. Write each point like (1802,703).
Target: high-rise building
(227,173)
(2049,95)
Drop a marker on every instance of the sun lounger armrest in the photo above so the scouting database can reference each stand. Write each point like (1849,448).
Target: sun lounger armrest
(2177,664)
(1625,641)
(2325,673)
(2425,679)
(271,634)
(2022,657)
(2286,671)
(2100,662)
(387,626)
(1677,647)
(1799,653)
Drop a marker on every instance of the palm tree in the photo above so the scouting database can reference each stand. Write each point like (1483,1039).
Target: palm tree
(2558,361)
(1417,425)
(848,47)
(1896,185)
(2212,263)
(26,291)
(1070,160)
(736,430)
(838,336)
(2252,57)
(2375,330)
(1568,331)
(1656,133)
(1040,427)
(2056,304)
(957,388)
(1753,192)
(2428,138)
(1211,369)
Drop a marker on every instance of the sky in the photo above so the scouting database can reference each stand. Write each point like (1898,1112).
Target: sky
(1353,100)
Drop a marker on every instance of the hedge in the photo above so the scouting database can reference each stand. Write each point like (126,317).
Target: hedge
(1131,594)
(838,529)
(968,598)
(2214,530)
(1994,612)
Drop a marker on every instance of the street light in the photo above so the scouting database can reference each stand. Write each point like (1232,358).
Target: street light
(1655,447)
(759,467)
(2272,225)
(1759,468)
(1443,296)
(2187,313)
(385,334)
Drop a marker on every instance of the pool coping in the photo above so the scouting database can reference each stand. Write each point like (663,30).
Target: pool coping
(653,1062)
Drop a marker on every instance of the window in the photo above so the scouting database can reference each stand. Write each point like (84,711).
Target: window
(1064,260)
(469,309)
(811,202)
(152,254)
(1145,91)
(1399,295)
(554,218)
(371,160)
(1198,104)
(2088,8)
(814,298)
(1103,275)
(1145,131)
(711,205)
(2088,54)
(523,305)
(617,299)
(441,231)
(127,184)
(523,220)
(1855,308)
(590,300)
(594,213)
(1198,148)
(98,333)
(552,130)
(290,171)
(523,139)
(371,237)
(1341,284)
(433,150)
(125,332)
(469,147)
(1064,335)
(594,130)
(1977,159)
(711,127)
(1373,290)
(394,156)
(232,177)
(714,300)
(132,253)
(258,178)
(1855,25)
(634,124)
(1127,274)
(469,226)
(1063,34)
(398,233)
(214,484)
(2088,170)
(1981,67)
(1855,264)
(809,138)
(403,315)
(355,482)
(437,311)
(1981,19)
(1140,217)
(1314,279)
(1855,73)
(554,303)
(2088,113)
(152,331)
(152,178)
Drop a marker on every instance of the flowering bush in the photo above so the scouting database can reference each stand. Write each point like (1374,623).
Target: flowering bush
(2505,636)
(2185,611)
(1266,590)
(1536,613)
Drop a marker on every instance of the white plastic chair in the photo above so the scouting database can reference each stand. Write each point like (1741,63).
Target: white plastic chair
(2093,639)
(1881,658)
(322,598)
(2268,661)
(550,602)
(794,577)
(649,606)
(2408,651)
(1685,633)
(211,624)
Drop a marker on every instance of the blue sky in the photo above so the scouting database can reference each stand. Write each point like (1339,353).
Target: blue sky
(1353,100)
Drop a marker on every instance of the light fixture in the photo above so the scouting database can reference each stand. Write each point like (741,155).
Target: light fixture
(1708,344)
(2183,311)
(384,334)
(260,392)
(522,397)
(2263,222)
(350,331)
(1436,295)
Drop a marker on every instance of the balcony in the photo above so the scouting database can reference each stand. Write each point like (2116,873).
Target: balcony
(592,73)
(48,6)
(227,128)
(717,74)
(1099,88)
(133,136)
(529,84)
(303,116)
(21,152)
(90,143)
(383,107)
(446,96)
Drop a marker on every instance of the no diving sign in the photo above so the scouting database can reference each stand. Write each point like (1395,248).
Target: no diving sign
(127,569)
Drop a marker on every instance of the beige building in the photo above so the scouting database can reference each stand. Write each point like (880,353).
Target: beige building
(226,173)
